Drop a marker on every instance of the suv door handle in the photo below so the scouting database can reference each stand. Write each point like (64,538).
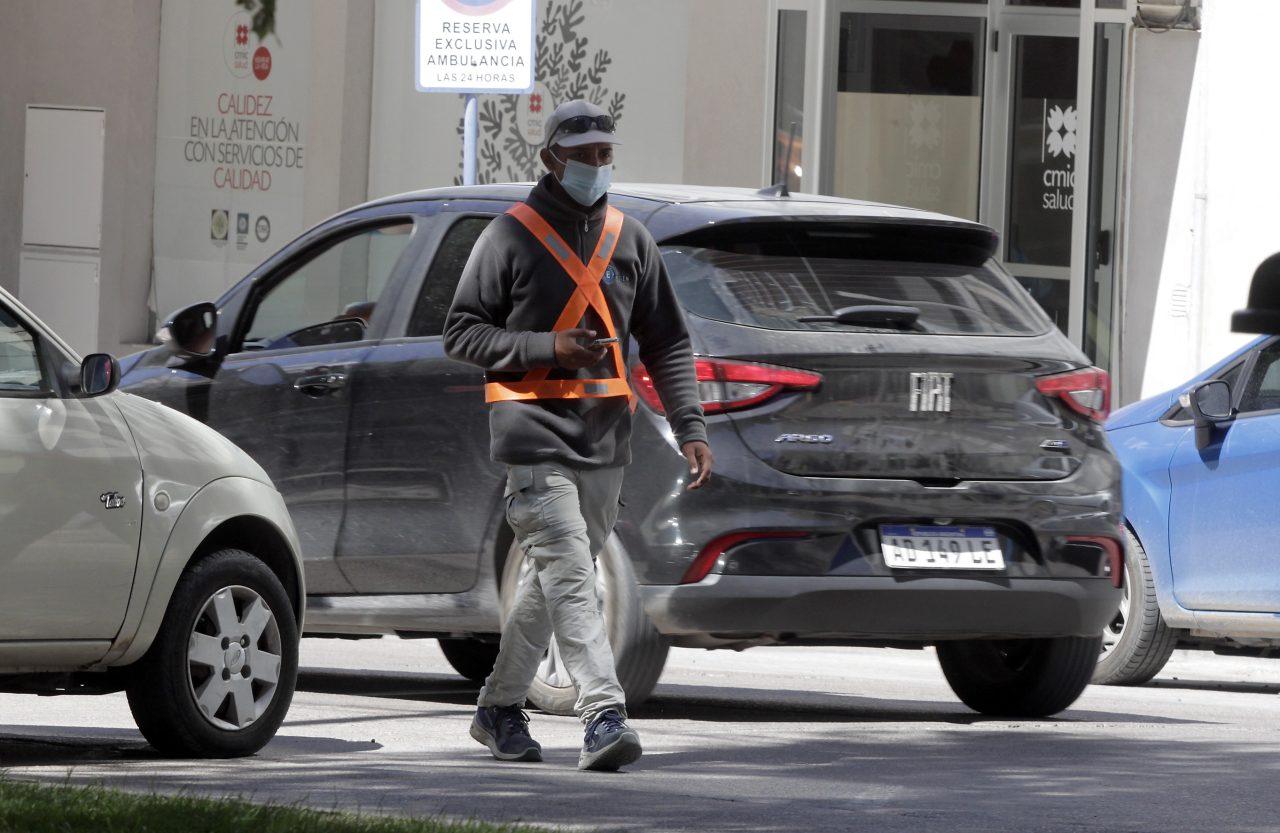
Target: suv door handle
(322,384)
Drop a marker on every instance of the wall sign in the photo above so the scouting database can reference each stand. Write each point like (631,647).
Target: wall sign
(231,145)
(475,46)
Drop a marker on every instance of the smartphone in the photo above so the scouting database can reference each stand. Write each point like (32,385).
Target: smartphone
(601,342)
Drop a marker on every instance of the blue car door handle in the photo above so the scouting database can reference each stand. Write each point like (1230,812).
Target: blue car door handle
(321,384)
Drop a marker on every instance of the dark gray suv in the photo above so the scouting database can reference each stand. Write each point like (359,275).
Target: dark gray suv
(908,451)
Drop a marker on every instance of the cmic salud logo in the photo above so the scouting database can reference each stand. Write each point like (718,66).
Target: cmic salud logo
(1061,138)
(476,7)
(242,60)
(1058,178)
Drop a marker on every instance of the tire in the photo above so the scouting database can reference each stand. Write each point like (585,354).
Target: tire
(174,689)
(471,658)
(1019,677)
(639,651)
(1137,643)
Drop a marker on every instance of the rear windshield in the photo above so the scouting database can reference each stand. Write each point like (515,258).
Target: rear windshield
(776,279)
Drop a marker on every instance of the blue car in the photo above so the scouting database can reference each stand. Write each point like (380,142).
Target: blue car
(1202,515)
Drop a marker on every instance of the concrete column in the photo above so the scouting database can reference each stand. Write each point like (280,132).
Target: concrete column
(341,97)
(725,106)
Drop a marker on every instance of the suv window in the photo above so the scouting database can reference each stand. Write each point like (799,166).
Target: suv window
(20,370)
(1262,389)
(340,284)
(442,278)
(784,279)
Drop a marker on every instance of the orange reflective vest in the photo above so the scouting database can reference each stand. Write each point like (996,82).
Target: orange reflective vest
(586,295)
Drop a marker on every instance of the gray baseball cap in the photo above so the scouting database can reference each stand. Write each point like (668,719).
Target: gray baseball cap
(579,122)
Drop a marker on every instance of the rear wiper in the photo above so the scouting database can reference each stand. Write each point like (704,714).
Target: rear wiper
(870,315)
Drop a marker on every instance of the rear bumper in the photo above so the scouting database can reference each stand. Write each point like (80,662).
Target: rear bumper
(881,608)
(664,527)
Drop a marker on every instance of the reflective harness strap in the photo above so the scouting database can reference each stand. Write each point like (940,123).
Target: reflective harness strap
(586,295)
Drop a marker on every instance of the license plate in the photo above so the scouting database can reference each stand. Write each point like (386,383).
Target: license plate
(941,547)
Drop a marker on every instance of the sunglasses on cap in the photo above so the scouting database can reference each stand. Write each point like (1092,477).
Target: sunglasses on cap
(581,124)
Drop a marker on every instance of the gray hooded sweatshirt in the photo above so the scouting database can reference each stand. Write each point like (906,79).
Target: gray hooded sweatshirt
(511,293)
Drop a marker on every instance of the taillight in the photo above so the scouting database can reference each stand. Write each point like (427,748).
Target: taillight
(731,386)
(719,546)
(1087,391)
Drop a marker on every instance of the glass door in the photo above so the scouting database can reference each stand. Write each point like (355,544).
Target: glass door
(907,106)
(1035,150)
(1104,194)
(969,108)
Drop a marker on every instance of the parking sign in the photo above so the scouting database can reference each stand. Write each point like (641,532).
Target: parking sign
(475,46)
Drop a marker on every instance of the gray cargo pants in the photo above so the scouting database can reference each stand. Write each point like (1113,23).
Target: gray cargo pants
(562,517)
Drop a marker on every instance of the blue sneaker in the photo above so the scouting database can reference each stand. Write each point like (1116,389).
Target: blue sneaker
(505,730)
(609,743)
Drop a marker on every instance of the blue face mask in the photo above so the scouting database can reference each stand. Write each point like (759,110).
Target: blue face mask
(586,183)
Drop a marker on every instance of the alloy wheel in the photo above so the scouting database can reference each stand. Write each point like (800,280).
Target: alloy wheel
(234,658)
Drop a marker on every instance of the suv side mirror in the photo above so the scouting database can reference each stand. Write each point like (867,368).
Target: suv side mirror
(99,374)
(1210,404)
(189,333)
(1263,313)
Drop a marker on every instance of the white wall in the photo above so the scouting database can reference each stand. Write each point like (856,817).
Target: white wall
(728,112)
(1156,342)
(1208,219)
(340,106)
(1241,128)
(88,53)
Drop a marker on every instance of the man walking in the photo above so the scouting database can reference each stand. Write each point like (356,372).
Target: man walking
(553,292)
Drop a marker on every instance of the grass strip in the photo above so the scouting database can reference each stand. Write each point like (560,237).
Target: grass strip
(43,808)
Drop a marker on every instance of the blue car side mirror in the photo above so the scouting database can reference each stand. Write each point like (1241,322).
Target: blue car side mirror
(1263,313)
(1209,404)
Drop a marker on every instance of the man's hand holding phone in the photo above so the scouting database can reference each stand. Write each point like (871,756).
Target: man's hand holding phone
(572,354)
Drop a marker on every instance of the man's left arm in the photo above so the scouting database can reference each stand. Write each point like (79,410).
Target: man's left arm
(659,328)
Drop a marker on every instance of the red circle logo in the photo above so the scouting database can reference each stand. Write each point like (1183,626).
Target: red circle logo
(262,63)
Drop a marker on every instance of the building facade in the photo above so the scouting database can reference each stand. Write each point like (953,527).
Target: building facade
(1118,146)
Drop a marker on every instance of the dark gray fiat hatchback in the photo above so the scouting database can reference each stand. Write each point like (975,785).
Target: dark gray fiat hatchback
(908,451)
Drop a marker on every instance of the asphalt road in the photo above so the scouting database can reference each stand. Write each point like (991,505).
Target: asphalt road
(796,739)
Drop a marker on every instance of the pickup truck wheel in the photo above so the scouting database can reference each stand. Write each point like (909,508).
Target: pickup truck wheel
(639,651)
(219,677)
(1137,643)
(1019,677)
